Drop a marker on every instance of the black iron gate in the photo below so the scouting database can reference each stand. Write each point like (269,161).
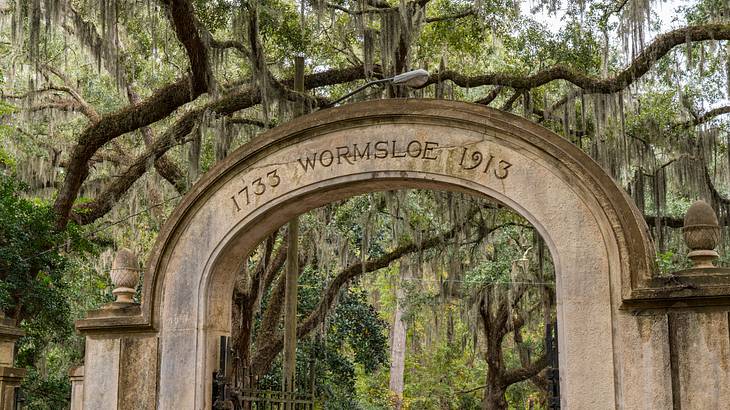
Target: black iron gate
(553,373)
(229,394)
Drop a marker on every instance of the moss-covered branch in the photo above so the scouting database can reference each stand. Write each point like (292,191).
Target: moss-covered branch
(661,45)
(191,34)
(235,100)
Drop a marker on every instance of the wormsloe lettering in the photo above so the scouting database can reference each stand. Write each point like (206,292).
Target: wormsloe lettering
(371,150)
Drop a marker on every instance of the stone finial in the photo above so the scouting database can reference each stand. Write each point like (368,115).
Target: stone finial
(125,275)
(701,234)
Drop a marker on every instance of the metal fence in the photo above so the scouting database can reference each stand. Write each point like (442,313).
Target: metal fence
(253,399)
(239,391)
(19,399)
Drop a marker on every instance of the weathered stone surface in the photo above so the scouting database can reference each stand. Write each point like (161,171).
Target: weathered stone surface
(700,343)
(292,172)
(10,378)
(76,376)
(179,361)
(9,334)
(138,373)
(7,348)
(101,366)
(644,362)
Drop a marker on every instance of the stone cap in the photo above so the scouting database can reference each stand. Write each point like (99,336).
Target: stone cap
(9,374)
(114,318)
(701,233)
(76,373)
(700,213)
(125,259)
(8,330)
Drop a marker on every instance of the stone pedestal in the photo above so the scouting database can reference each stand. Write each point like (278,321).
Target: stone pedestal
(76,375)
(121,362)
(10,377)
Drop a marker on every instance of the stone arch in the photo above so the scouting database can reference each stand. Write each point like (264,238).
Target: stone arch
(597,238)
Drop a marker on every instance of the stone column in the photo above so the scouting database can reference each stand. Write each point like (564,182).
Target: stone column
(10,377)
(120,362)
(699,339)
(76,375)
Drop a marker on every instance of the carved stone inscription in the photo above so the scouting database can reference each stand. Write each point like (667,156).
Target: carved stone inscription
(469,159)
(475,159)
(369,150)
(256,187)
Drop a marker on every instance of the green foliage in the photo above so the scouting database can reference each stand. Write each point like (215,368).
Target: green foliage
(358,324)
(439,377)
(372,390)
(45,393)
(355,337)
(213,13)
(5,109)
(281,28)
(666,261)
(30,261)
(6,161)
(44,288)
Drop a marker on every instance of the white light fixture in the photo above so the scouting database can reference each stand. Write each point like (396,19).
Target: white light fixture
(413,78)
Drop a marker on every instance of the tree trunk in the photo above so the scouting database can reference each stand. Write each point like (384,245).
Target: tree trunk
(398,355)
(398,343)
(494,394)
(494,397)
(289,364)
(494,331)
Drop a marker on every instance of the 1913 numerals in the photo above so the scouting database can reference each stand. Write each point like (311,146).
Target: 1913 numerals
(500,169)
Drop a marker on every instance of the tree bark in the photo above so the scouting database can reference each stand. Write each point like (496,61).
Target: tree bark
(398,341)
(494,394)
(164,165)
(190,33)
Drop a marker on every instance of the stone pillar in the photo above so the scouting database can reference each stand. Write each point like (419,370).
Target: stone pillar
(700,339)
(102,363)
(10,377)
(121,361)
(121,364)
(103,351)
(76,375)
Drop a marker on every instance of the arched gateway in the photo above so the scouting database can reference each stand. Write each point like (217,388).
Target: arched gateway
(162,353)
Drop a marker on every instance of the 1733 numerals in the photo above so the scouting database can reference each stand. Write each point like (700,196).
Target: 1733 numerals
(255,188)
